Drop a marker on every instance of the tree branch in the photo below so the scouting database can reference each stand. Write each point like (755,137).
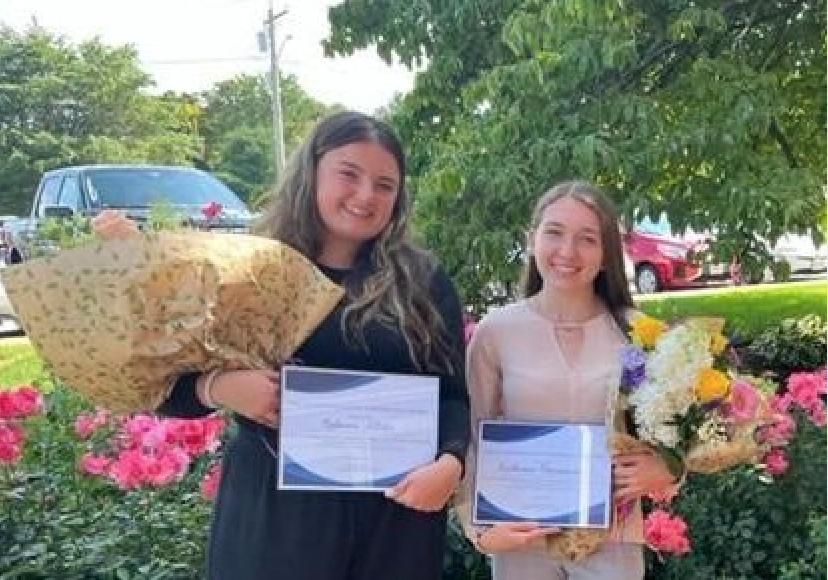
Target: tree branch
(776,132)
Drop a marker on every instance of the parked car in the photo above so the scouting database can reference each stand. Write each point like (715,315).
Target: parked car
(197,197)
(800,253)
(661,260)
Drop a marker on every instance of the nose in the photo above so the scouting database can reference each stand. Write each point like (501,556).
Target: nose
(364,190)
(567,246)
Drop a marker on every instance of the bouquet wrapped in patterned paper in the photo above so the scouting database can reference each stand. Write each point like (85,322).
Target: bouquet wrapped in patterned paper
(118,320)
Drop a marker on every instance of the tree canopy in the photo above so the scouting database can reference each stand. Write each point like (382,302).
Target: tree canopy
(712,112)
(64,104)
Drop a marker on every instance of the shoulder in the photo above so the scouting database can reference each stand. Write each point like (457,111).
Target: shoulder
(505,317)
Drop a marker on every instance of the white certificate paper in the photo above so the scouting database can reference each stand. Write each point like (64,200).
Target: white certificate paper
(352,430)
(556,474)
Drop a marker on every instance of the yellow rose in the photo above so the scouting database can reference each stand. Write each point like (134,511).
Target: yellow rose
(645,331)
(717,344)
(710,385)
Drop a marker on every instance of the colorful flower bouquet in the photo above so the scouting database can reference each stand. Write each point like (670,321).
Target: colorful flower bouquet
(680,397)
(685,400)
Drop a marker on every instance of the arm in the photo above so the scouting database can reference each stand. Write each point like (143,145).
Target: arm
(455,429)
(429,487)
(485,380)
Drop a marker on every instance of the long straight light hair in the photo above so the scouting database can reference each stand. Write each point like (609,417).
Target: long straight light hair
(392,276)
(611,284)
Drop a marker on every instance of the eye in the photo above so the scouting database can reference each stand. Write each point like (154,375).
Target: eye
(386,187)
(348,174)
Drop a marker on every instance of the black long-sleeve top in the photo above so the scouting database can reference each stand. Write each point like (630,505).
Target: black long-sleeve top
(386,352)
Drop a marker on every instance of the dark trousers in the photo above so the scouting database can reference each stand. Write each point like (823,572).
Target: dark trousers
(261,533)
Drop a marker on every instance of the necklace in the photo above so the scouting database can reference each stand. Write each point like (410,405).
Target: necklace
(559,321)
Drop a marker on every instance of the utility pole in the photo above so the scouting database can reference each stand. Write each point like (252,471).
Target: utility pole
(275,92)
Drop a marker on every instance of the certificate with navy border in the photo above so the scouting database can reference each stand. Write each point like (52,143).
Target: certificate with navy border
(354,431)
(555,474)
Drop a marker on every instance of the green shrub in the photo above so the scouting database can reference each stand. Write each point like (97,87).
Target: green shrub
(58,523)
(743,527)
(792,345)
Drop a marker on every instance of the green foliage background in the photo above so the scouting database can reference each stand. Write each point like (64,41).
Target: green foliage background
(713,112)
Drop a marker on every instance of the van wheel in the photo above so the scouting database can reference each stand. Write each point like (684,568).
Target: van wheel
(646,279)
(15,257)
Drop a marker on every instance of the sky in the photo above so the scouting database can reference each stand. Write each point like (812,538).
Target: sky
(188,45)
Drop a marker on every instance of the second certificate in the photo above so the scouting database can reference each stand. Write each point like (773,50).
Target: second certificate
(354,431)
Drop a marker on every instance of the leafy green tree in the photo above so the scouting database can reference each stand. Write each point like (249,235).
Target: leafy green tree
(237,128)
(711,112)
(64,104)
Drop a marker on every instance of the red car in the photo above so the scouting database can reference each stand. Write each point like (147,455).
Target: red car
(660,260)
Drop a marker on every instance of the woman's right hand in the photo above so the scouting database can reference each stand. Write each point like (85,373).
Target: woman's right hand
(113,224)
(512,536)
(251,393)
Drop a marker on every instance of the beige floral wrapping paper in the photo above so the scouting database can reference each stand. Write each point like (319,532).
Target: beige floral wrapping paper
(118,320)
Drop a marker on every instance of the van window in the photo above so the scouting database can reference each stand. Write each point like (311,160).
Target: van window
(48,194)
(70,193)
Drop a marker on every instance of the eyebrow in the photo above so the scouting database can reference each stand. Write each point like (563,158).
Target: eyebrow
(393,181)
(555,223)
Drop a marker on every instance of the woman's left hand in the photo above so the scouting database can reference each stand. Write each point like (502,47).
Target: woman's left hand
(637,474)
(429,487)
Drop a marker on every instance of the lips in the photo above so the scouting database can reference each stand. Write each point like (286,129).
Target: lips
(357,212)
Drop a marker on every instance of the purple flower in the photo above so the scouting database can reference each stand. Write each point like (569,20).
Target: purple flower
(632,365)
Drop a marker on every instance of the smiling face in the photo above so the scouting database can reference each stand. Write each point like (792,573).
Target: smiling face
(357,186)
(567,246)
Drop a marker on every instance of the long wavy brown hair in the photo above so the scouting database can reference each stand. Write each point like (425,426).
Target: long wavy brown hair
(391,278)
(611,284)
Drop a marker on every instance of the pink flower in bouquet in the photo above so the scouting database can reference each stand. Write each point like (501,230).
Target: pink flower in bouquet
(211,210)
(775,462)
(743,401)
(780,403)
(666,533)
(11,442)
(20,402)
(779,431)
(210,482)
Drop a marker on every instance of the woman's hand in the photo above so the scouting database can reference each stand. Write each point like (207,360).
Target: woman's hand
(637,474)
(111,224)
(512,536)
(251,393)
(429,487)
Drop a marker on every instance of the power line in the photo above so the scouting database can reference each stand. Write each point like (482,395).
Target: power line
(179,61)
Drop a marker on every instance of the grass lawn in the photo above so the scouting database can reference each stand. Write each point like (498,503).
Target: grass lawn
(747,309)
(18,363)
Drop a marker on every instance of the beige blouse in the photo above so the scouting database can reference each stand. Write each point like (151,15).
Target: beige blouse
(517,369)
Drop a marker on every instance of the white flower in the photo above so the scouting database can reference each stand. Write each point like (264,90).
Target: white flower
(667,390)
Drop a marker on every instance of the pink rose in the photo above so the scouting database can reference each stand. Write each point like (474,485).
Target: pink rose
(20,402)
(743,401)
(666,533)
(775,462)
